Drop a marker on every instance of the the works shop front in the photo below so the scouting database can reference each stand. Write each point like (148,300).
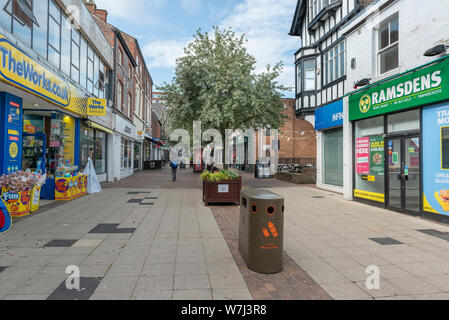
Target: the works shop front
(401,142)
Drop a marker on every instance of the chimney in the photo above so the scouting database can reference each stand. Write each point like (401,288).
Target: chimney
(99,13)
(102,14)
(90,4)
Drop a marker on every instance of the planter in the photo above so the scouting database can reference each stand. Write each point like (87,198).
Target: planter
(18,204)
(226,191)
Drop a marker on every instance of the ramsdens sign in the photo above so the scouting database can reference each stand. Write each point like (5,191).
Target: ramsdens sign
(424,86)
(19,69)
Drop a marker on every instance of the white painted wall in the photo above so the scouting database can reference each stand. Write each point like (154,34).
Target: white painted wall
(422,25)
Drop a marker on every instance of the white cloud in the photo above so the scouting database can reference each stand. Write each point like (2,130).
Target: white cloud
(163,53)
(135,11)
(191,6)
(266,24)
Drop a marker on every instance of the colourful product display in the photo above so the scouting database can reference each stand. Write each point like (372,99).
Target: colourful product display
(17,203)
(70,188)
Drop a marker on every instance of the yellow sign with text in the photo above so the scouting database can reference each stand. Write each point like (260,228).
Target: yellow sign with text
(378,197)
(19,69)
(96,107)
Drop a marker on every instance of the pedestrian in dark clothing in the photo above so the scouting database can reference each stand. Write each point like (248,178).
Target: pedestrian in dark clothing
(174,169)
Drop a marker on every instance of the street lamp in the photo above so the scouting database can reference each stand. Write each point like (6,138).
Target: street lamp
(435,51)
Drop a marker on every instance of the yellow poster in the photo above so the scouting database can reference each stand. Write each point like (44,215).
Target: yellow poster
(69,139)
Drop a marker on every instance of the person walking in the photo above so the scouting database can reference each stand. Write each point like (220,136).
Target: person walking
(174,168)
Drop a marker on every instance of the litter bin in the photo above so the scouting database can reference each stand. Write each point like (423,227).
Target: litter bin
(261,234)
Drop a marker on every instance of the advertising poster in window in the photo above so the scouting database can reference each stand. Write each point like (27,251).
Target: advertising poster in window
(69,139)
(436,159)
(362,153)
(377,156)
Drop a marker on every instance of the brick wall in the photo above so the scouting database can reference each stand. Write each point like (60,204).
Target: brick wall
(297,136)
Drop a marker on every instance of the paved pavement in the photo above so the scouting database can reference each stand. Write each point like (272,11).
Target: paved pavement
(156,240)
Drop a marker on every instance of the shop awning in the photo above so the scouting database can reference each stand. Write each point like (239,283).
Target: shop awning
(99,126)
(157,141)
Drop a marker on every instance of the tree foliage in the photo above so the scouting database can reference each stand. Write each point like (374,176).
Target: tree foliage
(215,83)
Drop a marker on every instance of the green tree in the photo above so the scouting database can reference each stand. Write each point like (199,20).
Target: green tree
(215,83)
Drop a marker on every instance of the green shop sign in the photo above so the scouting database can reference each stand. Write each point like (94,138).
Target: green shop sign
(421,87)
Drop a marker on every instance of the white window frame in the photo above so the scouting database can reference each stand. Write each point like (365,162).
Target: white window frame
(390,45)
(334,57)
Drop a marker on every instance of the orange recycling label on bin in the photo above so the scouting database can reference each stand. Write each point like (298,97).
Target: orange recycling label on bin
(272,231)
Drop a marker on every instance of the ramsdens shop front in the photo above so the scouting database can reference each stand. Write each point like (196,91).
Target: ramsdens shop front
(401,142)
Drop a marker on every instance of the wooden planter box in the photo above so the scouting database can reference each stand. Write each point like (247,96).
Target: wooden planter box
(226,191)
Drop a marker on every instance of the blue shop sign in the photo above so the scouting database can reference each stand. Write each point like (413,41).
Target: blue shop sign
(329,116)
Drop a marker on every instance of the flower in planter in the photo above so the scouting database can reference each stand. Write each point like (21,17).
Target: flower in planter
(219,176)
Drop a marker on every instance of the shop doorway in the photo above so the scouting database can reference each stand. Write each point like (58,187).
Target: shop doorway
(404,174)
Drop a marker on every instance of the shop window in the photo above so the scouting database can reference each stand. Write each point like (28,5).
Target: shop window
(136,156)
(445,147)
(388,45)
(404,121)
(100,152)
(126,156)
(369,159)
(86,145)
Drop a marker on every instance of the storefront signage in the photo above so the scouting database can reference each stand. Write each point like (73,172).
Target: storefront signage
(125,128)
(96,107)
(21,70)
(436,159)
(329,116)
(362,155)
(424,86)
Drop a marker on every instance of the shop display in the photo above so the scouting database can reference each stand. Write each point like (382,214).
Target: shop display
(17,190)
(69,183)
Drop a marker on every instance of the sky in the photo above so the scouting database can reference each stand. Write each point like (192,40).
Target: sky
(165,27)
